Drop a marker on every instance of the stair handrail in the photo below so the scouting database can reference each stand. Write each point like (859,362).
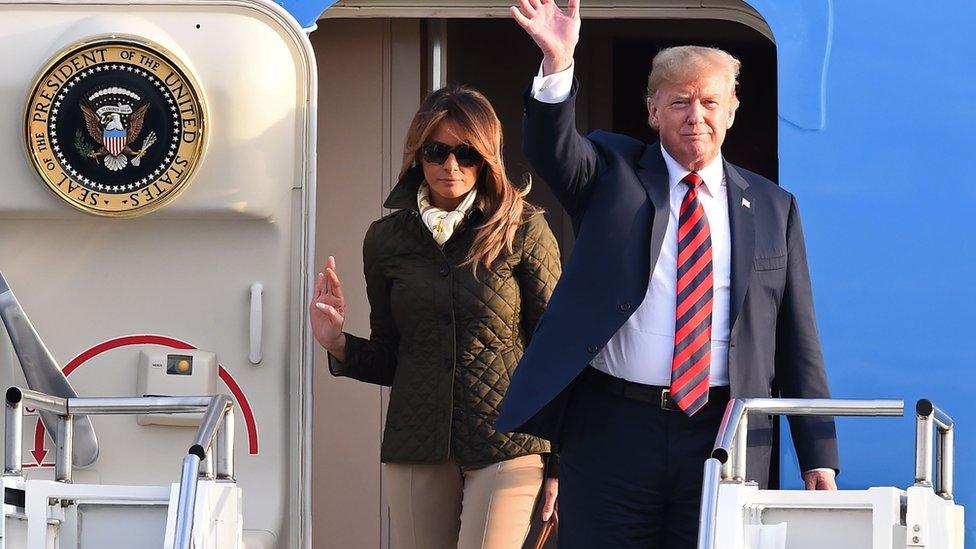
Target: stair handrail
(214,439)
(929,421)
(728,459)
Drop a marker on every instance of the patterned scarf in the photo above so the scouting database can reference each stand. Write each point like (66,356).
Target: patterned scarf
(441,222)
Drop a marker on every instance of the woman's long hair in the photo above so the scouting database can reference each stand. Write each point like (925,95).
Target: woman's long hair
(503,204)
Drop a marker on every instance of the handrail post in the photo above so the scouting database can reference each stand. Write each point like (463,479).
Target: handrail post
(923,444)
(186,500)
(13,420)
(225,447)
(946,464)
(734,411)
(725,471)
(739,447)
(207,466)
(706,520)
(203,445)
(931,421)
(62,455)
(207,431)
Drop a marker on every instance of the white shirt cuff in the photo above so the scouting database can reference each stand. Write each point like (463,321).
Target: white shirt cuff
(554,88)
(824,469)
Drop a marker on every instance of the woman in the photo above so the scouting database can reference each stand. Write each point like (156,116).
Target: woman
(457,278)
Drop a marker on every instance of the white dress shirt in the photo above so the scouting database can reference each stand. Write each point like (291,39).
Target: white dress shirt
(643,347)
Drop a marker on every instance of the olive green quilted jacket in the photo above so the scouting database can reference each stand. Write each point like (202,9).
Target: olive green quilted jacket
(447,340)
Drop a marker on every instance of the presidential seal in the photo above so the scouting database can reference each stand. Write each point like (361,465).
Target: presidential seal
(116,127)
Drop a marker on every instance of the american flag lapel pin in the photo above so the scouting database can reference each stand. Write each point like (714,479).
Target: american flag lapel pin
(746,203)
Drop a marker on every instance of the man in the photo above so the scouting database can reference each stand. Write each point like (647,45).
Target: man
(688,284)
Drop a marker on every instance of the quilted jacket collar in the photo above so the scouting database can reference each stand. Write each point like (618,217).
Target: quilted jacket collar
(404,193)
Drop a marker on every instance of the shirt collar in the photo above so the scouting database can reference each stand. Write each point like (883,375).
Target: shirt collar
(713,174)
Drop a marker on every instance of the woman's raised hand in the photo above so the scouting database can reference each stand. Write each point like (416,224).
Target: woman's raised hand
(328,311)
(554,31)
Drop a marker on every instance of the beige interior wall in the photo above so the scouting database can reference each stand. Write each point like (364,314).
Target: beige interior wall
(369,88)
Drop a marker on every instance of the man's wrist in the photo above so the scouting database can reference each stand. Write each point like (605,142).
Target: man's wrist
(554,88)
(815,477)
(554,64)
(832,472)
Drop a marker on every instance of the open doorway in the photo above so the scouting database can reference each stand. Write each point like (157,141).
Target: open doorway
(373,63)
(612,62)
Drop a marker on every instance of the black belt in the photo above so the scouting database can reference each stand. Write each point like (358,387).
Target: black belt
(640,392)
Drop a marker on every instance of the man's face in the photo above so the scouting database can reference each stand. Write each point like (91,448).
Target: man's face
(692,118)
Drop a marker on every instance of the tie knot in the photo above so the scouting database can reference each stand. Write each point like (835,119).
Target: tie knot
(693,180)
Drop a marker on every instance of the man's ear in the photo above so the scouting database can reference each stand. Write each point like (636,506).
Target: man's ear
(732,109)
(652,119)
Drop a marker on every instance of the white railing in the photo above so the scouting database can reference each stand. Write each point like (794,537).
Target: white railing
(214,440)
(728,461)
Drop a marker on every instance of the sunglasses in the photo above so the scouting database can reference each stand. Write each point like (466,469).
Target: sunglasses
(437,153)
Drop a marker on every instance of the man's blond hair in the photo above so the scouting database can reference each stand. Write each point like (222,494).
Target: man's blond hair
(681,64)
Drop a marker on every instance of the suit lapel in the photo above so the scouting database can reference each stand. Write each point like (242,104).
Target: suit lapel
(742,229)
(653,175)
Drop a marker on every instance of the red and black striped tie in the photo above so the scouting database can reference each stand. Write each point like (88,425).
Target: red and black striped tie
(693,314)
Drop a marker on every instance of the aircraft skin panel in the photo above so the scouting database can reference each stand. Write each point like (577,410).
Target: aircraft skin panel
(183,271)
(802,31)
(887,208)
(251,97)
(211,316)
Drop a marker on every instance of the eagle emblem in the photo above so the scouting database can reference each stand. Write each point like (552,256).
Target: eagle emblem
(114,118)
(116,127)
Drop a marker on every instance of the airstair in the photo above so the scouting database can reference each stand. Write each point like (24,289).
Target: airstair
(203,510)
(736,514)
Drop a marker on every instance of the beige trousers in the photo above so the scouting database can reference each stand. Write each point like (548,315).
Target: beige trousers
(445,506)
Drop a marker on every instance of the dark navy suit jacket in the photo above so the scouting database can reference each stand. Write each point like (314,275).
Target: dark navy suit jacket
(616,191)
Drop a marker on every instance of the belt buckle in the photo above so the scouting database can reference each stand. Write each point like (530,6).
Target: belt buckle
(668,403)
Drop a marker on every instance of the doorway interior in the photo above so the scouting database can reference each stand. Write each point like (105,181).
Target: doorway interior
(374,70)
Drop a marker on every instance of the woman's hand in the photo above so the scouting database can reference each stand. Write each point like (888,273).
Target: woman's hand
(555,32)
(550,506)
(327,311)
